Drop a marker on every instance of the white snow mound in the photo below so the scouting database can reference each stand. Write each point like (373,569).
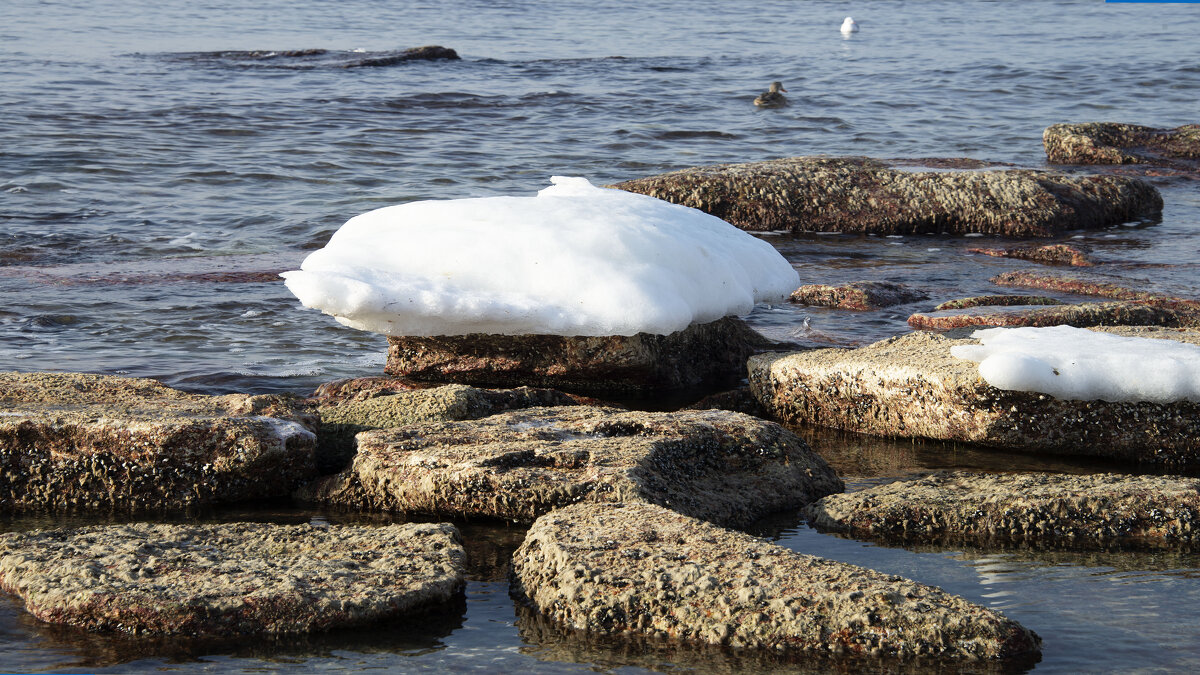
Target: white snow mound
(1079,364)
(573,260)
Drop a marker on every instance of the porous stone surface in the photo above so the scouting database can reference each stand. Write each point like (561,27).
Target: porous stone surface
(230,579)
(351,407)
(910,386)
(713,464)
(996,301)
(702,355)
(857,194)
(860,295)
(1021,507)
(641,569)
(1112,143)
(1054,254)
(76,442)
(1084,315)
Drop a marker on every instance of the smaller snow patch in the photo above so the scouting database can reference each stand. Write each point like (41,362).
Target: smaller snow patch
(1079,364)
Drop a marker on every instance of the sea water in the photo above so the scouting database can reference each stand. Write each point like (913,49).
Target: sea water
(153,181)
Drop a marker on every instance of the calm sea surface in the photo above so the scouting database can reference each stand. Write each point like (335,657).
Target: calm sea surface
(151,183)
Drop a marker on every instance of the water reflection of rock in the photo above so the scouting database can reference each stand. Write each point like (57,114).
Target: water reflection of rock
(857,456)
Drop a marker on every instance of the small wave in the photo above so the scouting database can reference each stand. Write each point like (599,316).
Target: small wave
(684,134)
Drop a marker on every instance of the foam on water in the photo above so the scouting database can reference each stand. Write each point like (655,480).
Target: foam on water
(574,260)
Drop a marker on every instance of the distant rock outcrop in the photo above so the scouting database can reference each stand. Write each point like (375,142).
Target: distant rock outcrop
(857,194)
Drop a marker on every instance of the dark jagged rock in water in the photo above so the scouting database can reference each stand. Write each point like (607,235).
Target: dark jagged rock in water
(1084,315)
(72,442)
(713,464)
(859,295)
(231,579)
(1112,143)
(342,416)
(1036,508)
(306,59)
(1054,254)
(857,194)
(910,386)
(641,570)
(701,356)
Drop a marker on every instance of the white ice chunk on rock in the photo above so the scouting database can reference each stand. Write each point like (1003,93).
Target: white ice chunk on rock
(1079,364)
(573,260)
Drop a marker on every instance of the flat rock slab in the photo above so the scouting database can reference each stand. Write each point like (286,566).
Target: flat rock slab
(859,295)
(910,386)
(713,464)
(78,442)
(1037,508)
(1083,315)
(231,579)
(857,194)
(1091,284)
(996,301)
(376,407)
(702,355)
(643,569)
(1111,143)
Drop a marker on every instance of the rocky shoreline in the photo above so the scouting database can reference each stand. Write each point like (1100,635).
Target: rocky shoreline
(633,515)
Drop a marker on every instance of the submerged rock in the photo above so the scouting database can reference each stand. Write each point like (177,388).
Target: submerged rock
(350,407)
(721,466)
(1036,508)
(910,386)
(231,579)
(856,194)
(1084,315)
(640,569)
(1112,143)
(1054,254)
(707,355)
(79,442)
(860,295)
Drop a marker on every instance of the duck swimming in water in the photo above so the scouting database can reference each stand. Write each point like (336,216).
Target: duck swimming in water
(772,98)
